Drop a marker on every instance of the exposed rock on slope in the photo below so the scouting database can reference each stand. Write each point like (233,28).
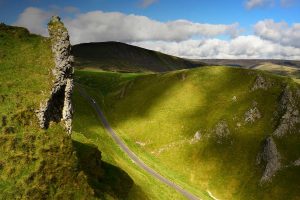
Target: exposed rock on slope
(290,112)
(260,83)
(59,106)
(271,158)
(221,131)
(252,115)
(297,162)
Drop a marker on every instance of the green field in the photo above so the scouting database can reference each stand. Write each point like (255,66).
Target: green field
(159,115)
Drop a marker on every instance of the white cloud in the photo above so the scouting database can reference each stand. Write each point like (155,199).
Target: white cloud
(241,47)
(279,32)
(250,4)
(34,19)
(146,3)
(100,26)
(103,26)
(180,37)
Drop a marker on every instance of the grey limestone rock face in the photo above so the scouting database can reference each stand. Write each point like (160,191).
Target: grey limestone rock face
(260,83)
(290,115)
(59,105)
(271,158)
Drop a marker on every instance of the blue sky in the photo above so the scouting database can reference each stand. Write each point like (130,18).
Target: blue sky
(212,11)
(260,20)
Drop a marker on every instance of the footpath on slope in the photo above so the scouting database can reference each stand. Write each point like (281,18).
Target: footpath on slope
(124,147)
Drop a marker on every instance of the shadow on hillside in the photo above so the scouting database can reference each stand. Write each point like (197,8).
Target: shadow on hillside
(103,177)
(229,161)
(139,99)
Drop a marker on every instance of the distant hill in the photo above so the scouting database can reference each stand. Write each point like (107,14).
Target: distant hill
(289,68)
(118,56)
(249,63)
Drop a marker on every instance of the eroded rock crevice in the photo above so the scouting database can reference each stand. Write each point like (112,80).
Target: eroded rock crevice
(59,105)
(290,114)
(270,158)
(260,83)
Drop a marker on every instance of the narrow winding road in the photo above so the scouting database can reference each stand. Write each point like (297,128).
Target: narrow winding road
(124,147)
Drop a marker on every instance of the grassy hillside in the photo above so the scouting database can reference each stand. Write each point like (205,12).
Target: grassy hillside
(116,56)
(34,163)
(123,179)
(48,164)
(193,126)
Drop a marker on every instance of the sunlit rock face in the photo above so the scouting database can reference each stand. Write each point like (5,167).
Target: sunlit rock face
(59,105)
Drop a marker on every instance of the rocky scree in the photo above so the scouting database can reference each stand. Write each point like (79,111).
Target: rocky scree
(59,105)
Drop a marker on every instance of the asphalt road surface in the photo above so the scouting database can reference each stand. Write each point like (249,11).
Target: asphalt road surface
(124,147)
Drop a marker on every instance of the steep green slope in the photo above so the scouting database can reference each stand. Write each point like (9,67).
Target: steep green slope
(208,128)
(116,56)
(123,179)
(34,163)
(48,164)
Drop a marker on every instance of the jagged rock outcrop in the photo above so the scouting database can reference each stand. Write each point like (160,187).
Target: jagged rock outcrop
(59,105)
(221,131)
(252,115)
(297,162)
(260,83)
(290,115)
(196,138)
(269,157)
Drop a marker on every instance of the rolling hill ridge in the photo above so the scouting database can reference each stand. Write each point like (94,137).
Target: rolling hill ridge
(116,56)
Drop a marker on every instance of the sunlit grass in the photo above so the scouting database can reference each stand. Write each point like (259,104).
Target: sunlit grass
(34,164)
(88,129)
(158,114)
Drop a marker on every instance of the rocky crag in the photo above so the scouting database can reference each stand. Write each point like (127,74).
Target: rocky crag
(288,118)
(290,114)
(271,158)
(59,105)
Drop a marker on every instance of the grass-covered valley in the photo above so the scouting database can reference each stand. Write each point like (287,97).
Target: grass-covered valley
(205,128)
(218,132)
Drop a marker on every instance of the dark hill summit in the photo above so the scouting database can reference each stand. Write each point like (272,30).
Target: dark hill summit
(118,56)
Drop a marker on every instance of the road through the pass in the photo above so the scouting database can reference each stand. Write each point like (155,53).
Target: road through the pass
(124,147)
